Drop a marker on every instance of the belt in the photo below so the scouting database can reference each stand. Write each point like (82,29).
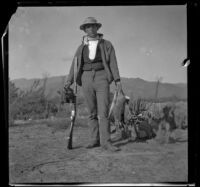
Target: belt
(97,66)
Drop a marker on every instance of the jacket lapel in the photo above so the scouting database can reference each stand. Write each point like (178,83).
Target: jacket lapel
(104,50)
(105,61)
(79,56)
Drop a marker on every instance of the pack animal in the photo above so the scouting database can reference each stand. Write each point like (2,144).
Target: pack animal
(165,125)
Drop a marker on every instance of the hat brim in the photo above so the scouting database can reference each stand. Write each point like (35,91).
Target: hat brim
(83,25)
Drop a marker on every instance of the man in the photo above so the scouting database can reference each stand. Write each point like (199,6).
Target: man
(96,69)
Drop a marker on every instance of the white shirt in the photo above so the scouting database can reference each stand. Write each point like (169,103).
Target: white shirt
(92,46)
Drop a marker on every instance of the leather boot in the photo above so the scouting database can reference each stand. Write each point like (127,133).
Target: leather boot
(108,146)
(93,144)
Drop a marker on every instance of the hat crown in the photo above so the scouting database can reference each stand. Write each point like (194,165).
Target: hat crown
(90,20)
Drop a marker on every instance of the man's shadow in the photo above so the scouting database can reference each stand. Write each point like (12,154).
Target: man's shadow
(127,140)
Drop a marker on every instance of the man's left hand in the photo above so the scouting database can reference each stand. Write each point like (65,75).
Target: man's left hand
(119,86)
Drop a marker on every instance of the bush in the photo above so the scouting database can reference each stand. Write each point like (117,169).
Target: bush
(138,106)
(13,96)
(171,115)
(25,105)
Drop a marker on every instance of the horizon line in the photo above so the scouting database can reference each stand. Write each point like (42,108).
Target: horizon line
(121,78)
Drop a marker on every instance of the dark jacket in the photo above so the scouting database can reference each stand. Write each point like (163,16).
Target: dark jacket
(108,58)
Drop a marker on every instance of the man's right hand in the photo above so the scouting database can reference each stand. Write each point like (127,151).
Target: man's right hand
(69,96)
(66,86)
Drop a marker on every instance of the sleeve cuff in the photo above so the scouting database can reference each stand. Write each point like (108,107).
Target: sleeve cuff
(117,80)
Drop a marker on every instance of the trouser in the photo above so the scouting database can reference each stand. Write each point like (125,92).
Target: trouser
(96,92)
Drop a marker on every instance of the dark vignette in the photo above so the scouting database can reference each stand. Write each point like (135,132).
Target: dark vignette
(193,51)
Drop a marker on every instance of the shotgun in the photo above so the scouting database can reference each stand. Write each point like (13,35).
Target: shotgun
(74,109)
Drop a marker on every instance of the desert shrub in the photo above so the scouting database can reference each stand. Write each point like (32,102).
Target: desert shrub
(27,104)
(31,104)
(138,106)
(12,105)
(161,116)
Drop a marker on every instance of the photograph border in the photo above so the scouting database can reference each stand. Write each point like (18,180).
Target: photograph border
(193,55)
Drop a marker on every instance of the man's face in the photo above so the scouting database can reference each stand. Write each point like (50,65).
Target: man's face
(91,30)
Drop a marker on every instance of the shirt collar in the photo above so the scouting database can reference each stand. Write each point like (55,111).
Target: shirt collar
(86,38)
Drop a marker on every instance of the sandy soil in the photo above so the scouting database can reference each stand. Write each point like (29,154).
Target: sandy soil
(38,153)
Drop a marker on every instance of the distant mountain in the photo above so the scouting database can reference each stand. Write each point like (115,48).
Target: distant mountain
(131,86)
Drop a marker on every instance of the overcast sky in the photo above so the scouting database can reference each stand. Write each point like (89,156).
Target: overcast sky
(150,41)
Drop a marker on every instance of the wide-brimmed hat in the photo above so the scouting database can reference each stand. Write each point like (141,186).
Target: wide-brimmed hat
(88,21)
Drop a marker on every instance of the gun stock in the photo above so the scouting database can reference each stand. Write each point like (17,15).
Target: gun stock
(69,139)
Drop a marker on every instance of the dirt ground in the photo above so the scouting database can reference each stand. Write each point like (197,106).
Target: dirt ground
(38,153)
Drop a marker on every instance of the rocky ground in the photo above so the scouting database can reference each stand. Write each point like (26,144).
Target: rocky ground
(38,154)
